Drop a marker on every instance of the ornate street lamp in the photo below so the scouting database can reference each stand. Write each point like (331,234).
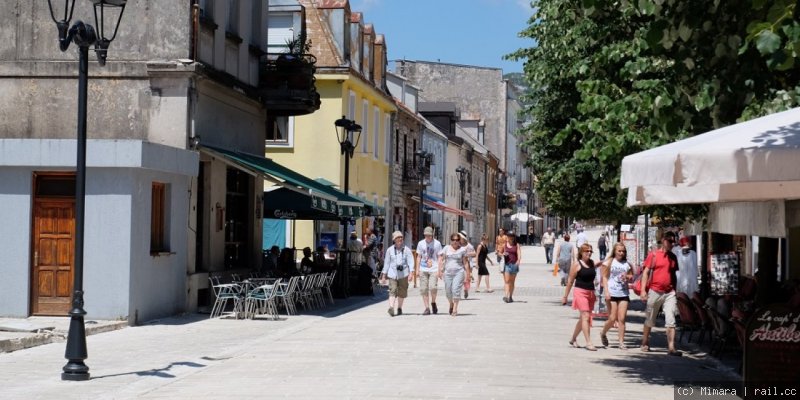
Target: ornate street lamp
(423,175)
(462,180)
(84,36)
(346,130)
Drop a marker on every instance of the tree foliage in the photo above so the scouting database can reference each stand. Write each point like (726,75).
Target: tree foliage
(612,78)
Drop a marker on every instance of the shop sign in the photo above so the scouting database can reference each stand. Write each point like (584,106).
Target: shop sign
(285,214)
(772,346)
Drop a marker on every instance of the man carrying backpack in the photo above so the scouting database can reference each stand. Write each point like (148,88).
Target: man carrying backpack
(658,290)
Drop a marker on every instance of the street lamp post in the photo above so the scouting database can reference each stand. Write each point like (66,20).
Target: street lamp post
(423,173)
(84,36)
(345,131)
(462,180)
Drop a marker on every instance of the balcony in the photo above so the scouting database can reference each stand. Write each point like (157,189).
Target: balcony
(287,84)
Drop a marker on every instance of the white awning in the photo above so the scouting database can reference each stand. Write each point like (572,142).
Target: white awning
(754,160)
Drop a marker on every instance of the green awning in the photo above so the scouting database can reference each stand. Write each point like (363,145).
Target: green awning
(373,210)
(323,197)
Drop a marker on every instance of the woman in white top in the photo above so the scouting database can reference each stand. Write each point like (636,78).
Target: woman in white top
(453,266)
(617,272)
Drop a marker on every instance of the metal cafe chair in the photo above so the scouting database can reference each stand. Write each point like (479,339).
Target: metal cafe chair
(329,283)
(261,300)
(286,294)
(224,292)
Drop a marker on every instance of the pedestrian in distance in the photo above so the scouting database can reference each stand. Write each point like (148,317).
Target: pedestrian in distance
(398,265)
(581,238)
(582,275)
(617,272)
(453,267)
(483,272)
(660,268)
(471,256)
(602,246)
(513,256)
(499,245)
(566,254)
(427,253)
(548,241)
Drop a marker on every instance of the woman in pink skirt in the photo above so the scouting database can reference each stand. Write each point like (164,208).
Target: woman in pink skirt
(582,275)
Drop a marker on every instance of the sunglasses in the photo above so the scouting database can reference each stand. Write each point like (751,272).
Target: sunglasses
(588,251)
(455,239)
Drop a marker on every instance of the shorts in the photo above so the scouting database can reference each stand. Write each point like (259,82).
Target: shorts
(583,299)
(398,287)
(655,301)
(428,281)
(512,269)
(620,299)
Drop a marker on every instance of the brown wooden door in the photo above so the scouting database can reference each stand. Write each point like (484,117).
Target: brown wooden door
(53,244)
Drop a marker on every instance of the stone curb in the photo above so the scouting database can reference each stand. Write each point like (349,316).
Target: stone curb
(54,336)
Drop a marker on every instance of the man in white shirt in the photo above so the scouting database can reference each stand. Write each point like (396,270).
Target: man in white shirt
(548,241)
(427,251)
(581,238)
(398,266)
(355,248)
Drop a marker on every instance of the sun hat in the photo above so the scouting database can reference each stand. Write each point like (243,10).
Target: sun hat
(463,235)
(428,231)
(396,234)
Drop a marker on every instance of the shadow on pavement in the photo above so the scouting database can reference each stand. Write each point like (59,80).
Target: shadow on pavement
(158,373)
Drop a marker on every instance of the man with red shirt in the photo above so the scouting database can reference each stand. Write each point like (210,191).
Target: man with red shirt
(660,271)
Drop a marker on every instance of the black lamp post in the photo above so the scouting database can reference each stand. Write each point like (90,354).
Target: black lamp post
(346,131)
(462,180)
(84,36)
(500,190)
(423,174)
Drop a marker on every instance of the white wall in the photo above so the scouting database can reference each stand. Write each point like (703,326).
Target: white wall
(15,231)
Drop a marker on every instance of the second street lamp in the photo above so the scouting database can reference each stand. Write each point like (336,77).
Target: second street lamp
(462,180)
(84,36)
(348,132)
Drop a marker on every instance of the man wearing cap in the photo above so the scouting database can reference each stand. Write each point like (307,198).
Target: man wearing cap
(427,250)
(660,268)
(398,265)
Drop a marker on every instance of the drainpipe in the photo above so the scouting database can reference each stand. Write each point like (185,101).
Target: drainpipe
(195,13)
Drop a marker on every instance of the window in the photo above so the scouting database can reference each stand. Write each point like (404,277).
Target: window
(280,31)
(233,16)
(387,128)
(376,115)
(365,129)
(158,218)
(351,106)
(397,145)
(280,131)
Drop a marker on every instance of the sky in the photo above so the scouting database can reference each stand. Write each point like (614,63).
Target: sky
(470,32)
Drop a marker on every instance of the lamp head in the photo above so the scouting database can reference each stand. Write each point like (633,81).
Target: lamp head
(114,8)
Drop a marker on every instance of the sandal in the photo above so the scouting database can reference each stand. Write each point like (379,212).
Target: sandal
(645,348)
(604,340)
(675,353)
(622,346)
(591,347)
(573,343)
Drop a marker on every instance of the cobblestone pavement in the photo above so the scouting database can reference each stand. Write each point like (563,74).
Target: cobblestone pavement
(493,351)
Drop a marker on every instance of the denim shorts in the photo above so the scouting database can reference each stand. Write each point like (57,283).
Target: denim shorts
(512,269)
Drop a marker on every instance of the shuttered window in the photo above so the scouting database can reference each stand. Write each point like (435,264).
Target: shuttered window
(376,115)
(158,218)
(280,31)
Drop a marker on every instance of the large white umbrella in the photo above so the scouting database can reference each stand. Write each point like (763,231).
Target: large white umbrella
(523,216)
(755,160)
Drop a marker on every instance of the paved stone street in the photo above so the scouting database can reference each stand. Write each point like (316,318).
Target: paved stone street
(355,350)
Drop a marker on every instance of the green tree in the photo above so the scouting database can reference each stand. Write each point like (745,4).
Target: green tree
(613,78)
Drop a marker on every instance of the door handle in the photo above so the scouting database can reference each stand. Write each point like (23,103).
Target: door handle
(35,258)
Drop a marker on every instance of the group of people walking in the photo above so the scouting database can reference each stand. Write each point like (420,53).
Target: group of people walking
(658,280)
(453,263)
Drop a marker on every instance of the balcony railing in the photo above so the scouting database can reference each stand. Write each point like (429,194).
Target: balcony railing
(287,84)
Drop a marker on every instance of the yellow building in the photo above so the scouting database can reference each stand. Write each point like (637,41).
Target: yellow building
(351,82)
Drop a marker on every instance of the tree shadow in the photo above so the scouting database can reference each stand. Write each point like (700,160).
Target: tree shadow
(158,373)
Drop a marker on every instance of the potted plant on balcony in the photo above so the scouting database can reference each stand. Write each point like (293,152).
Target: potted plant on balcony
(297,64)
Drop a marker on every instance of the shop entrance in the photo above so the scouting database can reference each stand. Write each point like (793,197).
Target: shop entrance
(53,238)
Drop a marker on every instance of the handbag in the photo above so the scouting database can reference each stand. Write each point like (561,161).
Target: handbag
(555,269)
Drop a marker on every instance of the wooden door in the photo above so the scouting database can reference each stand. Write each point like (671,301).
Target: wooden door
(53,244)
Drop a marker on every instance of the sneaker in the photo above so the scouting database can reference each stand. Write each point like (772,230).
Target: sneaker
(505,299)
(466,294)
(604,340)
(510,300)
(435,309)
(477,290)
(391,312)
(427,311)
(399,311)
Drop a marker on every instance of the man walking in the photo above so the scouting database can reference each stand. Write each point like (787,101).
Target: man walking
(660,270)
(548,241)
(427,251)
(398,265)
(581,239)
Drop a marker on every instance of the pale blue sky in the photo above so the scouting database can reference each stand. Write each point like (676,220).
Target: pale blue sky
(472,32)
